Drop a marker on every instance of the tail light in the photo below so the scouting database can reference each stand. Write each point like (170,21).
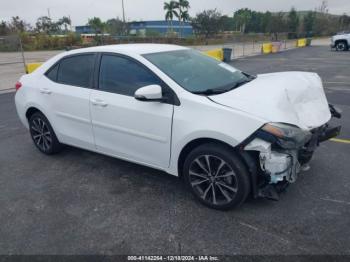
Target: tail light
(18,85)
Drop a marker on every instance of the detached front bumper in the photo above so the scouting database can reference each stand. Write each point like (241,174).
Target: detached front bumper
(277,166)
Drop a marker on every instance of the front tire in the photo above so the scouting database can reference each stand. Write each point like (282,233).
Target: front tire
(43,135)
(216,176)
(342,46)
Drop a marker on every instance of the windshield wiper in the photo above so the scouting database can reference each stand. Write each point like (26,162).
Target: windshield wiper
(210,91)
(252,77)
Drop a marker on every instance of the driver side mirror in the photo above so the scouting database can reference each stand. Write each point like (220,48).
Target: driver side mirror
(151,93)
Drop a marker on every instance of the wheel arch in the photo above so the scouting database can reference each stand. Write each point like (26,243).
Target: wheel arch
(195,143)
(342,41)
(247,158)
(32,110)
(192,145)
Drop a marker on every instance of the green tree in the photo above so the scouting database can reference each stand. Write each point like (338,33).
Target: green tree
(44,24)
(257,22)
(99,28)
(227,23)
(293,21)
(65,22)
(277,25)
(207,23)
(309,21)
(115,26)
(183,15)
(4,28)
(344,22)
(266,22)
(170,12)
(242,17)
(18,25)
(97,25)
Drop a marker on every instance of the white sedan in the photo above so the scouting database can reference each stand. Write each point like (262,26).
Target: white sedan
(228,134)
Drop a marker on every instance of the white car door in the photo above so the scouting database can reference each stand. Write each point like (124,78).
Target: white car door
(123,126)
(66,94)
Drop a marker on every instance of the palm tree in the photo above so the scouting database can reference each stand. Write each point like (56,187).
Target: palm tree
(183,6)
(185,16)
(170,12)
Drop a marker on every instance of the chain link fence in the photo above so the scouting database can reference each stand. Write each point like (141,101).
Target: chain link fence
(13,59)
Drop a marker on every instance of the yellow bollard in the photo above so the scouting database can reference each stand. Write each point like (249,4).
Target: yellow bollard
(267,48)
(31,67)
(216,53)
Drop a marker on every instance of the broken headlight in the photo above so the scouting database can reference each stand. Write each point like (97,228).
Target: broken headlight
(287,136)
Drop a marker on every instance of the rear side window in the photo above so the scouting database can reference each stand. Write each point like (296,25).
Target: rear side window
(52,73)
(124,76)
(76,70)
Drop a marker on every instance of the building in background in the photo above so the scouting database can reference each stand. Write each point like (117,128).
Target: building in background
(159,27)
(84,29)
(145,28)
(87,33)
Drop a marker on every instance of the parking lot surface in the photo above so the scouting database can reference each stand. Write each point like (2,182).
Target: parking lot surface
(79,202)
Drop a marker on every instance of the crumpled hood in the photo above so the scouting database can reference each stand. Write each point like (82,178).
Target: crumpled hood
(295,98)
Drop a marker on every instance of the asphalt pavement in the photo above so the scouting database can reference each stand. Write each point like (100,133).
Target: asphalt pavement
(78,202)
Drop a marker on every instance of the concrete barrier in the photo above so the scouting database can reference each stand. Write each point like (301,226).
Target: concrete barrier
(301,42)
(276,47)
(267,48)
(31,67)
(216,53)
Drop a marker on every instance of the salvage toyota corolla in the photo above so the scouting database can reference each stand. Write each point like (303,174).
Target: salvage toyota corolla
(227,133)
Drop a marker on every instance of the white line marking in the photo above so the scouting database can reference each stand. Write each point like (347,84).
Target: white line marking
(336,201)
(338,83)
(281,239)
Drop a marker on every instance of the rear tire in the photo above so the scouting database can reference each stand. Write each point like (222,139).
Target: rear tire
(342,46)
(216,176)
(43,135)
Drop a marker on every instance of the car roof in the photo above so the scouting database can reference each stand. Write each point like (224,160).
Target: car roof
(138,49)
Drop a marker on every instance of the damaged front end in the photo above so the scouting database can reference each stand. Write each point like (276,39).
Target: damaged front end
(282,151)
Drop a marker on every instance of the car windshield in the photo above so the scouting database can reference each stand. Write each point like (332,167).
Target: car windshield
(198,73)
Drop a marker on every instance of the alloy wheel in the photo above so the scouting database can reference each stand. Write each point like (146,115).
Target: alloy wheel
(341,47)
(213,180)
(41,134)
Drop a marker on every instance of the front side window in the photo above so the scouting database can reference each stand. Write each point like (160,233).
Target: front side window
(124,76)
(196,72)
(76,70)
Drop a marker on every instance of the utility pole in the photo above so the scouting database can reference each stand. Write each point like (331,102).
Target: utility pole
(124,29)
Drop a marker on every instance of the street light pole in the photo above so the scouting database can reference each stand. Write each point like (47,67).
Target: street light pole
(123,17)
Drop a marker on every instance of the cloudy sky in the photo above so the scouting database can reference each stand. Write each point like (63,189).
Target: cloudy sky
(81,10)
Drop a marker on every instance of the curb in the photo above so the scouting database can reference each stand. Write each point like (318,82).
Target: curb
(7,91)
